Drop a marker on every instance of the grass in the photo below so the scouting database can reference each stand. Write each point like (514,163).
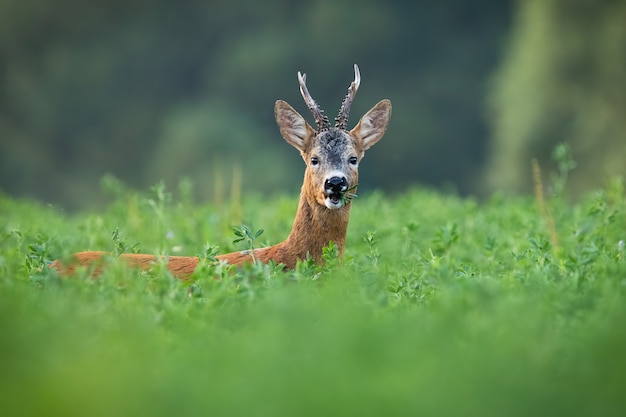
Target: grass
(441,306)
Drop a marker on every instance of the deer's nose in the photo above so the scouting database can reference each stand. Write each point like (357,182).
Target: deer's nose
(336,184)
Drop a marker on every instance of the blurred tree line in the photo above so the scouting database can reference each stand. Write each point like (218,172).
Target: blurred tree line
(151,90)
(562,79)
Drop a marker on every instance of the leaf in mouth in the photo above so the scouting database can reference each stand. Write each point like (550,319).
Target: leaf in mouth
(348,195)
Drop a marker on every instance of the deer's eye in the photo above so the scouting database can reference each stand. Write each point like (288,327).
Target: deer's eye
(315,160)
(353,160)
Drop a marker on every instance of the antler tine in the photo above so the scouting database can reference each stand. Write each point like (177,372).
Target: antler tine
(344,112)
(318,114)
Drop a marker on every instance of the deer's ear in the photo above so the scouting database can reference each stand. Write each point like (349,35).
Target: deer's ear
(293,127)
(373,124)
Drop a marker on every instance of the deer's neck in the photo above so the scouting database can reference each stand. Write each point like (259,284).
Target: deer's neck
(315,226)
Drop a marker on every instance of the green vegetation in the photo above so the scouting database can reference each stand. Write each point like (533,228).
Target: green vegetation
(561,78)
(442,306)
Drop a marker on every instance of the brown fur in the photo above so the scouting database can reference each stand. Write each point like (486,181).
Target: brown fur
(315,224)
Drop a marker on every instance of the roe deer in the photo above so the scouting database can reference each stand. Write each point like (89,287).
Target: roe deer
(332,156)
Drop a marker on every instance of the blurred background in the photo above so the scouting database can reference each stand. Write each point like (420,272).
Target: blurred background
(160,90)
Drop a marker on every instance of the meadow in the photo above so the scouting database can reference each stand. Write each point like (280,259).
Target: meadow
(442,305)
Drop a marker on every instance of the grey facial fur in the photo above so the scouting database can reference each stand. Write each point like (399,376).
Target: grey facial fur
(333,146)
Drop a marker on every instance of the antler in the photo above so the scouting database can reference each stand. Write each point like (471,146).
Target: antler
(342,119)
(318,114)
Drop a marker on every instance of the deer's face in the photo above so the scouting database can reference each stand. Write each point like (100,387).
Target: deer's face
(332,154)
(332,167)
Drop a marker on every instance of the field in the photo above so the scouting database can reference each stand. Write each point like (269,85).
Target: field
(442,306)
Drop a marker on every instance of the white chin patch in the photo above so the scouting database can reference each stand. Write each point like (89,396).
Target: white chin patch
(333,203)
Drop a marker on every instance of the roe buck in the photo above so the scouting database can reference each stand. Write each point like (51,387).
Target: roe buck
(332,156)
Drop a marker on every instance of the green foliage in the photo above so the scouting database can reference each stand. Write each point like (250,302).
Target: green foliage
(440,306)
(561,80)
(244,233)
(347,197)
(120,244)
(562,156)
